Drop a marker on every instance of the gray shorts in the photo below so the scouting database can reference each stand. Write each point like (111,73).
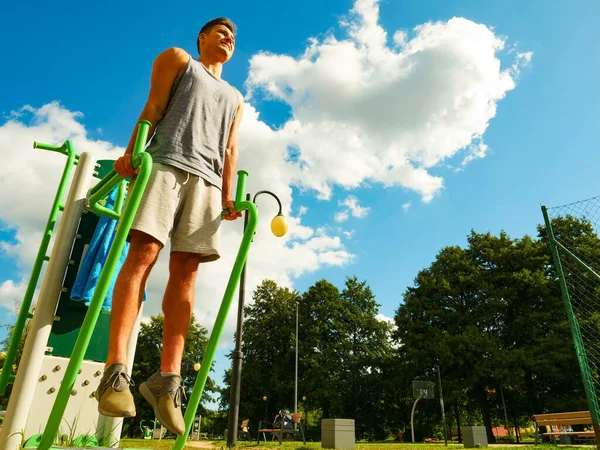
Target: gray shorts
(184,207)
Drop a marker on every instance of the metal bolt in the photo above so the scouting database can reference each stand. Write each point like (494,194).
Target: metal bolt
(86,382)
(51,390)
(97,374)
(57,368)
(44,377)
(74,392)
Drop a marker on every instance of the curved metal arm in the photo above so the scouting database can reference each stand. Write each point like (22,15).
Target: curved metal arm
(272,195)
(66,148)
(112,178)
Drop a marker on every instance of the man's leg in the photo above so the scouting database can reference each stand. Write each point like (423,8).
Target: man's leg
(163,389)
(113,394)
(129,292)
(178,304)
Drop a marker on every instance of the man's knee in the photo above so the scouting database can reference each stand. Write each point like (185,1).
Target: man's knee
(184,264)
(143,250)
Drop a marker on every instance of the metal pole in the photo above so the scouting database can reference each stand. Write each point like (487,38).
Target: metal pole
(505,414)
(582,359)
(296,375)
(412,418)
(236,358)
(437,368)
(215,335)
(13,346)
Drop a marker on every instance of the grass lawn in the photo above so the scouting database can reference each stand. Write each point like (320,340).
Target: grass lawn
(390,445)
(166,444)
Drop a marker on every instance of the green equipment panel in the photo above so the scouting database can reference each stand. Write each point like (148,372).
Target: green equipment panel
(70,314)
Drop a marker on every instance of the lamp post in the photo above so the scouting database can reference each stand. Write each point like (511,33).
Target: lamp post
(296,377)
(266,406)
(279,228)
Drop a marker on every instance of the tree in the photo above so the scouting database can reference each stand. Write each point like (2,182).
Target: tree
(342,349)
(491,315)
(4,346)
(268,354)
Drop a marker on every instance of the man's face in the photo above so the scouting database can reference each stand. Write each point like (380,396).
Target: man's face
(218,41)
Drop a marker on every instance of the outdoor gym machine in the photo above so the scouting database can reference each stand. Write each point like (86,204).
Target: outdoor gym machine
(79,201)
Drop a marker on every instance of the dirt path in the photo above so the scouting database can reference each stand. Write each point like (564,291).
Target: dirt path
(201,444)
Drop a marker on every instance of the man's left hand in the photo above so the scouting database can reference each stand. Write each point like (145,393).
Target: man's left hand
(229,212)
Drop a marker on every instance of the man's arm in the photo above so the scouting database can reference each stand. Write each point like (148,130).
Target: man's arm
(230,162)
(167,66)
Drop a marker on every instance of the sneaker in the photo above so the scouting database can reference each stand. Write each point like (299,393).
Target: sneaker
(164,394)
(113,394)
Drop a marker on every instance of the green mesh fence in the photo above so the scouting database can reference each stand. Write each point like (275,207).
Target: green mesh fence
(573,232)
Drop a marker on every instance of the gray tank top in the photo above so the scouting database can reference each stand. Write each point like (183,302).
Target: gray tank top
(193,133)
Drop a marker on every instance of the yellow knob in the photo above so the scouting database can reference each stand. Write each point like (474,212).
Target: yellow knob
(197,367)
(279,225)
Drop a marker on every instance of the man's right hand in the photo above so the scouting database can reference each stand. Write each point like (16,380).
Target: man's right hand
(123,166)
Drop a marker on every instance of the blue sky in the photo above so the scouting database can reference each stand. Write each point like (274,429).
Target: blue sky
(541,141)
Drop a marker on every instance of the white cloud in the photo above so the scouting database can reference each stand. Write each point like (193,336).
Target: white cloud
(11,293)
(384,318)
(351,208)
(365,113)
(406,206)
(25,208)
(341,216)
(349,234)
(477,150)
(400,38)
(355,209)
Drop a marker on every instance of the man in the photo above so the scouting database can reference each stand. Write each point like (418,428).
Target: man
(195,118)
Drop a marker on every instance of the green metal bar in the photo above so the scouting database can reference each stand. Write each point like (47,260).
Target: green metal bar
(98,193)
(586,373)
(215,335)
(120,197)
(53,148)
(112,178)
(579,261)
(91,317)
(39,260)
(240,192)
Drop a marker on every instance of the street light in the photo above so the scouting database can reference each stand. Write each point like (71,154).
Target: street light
(279,228)
(266,414)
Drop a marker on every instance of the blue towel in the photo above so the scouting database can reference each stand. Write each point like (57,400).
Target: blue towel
(94,259)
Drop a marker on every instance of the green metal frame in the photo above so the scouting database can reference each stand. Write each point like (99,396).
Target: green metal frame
(97,194)
(582,358)
(6,376)
(96,199)
(215,335)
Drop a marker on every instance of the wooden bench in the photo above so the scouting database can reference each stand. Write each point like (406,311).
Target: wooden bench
(553,422)
(296,420)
